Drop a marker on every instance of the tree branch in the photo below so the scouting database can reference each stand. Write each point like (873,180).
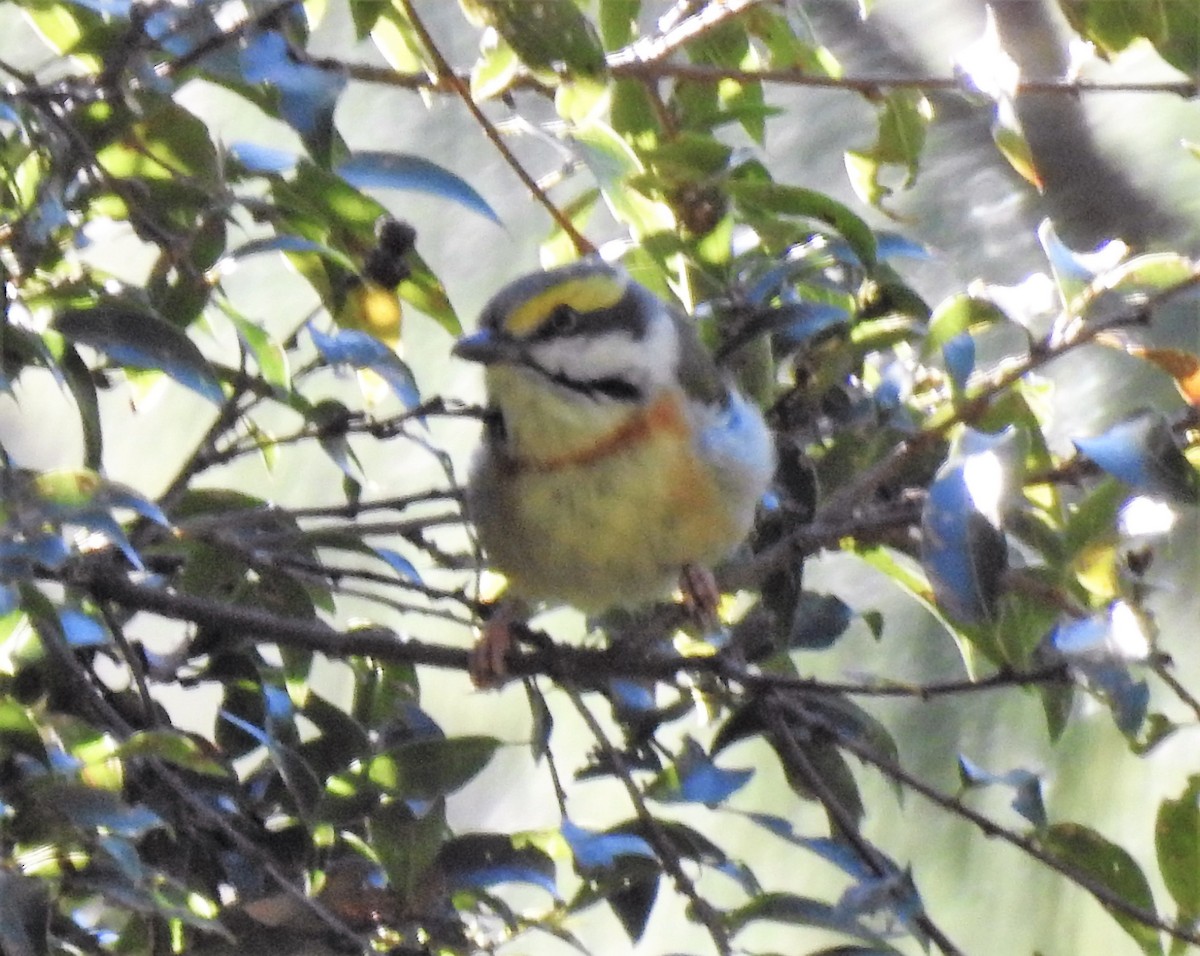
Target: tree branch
(653,70)
(584,667)
(842,504)
(663,848)
(1105,896)
(443,73)
(847,828)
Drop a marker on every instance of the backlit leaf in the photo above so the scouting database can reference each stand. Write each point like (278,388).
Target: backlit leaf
(373,169)
(1177,841)
(140,339)
(1141,451)
(1084,849)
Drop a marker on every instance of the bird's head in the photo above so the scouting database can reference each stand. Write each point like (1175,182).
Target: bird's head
(585,334)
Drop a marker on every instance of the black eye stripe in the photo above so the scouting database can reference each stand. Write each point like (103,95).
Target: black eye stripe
(617,389)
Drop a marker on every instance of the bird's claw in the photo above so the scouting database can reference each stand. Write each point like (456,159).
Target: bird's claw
(701,596)
(487,664)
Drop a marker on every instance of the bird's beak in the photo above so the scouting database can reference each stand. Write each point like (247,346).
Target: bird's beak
(487,347)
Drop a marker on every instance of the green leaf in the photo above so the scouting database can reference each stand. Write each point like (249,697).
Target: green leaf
(957,315)
(366,14)
(478,860)
(133,337)
(1085,850)
(618,22)
(268,354)
(785,47)
(728,45)
(425,769)
(611,160)
(407,844)
(688,158)
(546,35)
(83,389)
(797,910)
(1153,272)
(494,71)
(66,29)
(1177,842)
(693,777)
(393,36)
(168,143)
(1009,136)
(1172,26)
(424,291)
(173,747)
(797,201)
(903,118)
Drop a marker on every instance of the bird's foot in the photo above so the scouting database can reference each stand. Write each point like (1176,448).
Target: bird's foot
(488,664)
(701,596)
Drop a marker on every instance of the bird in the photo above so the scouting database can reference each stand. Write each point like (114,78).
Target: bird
(616,459)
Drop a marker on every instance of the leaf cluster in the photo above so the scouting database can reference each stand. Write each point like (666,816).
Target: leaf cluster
(915,438)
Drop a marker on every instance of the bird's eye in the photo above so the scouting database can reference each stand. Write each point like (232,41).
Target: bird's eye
(562,321)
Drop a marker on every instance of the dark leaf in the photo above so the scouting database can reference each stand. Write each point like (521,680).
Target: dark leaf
(78,378)
(1026,787)
(141,340)
(632,899)
(802,911)
(1088,852)
(796,201)
(818,621)
(173,747)
(24,915)
(425,769)
(546,35)
(694,778)
(1177,842)
(263,159)
(81,629)
(407,843)
(489,859)
(363,351)
(90,808)
(963,549)
(307,94)
(600,851)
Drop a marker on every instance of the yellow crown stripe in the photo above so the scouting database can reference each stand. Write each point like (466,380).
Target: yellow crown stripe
(583,294)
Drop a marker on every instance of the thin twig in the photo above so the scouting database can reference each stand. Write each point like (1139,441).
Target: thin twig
(443,72)
(1107,897)
(846,825)
(585,667)
(134,662)
(196,803)
(842,503)
(654,70)
(650,50)
(1162,668)
(663,847)
(107,584)
(762,683)
(870,85)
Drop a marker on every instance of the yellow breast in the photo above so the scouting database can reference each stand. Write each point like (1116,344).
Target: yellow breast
(605,521)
